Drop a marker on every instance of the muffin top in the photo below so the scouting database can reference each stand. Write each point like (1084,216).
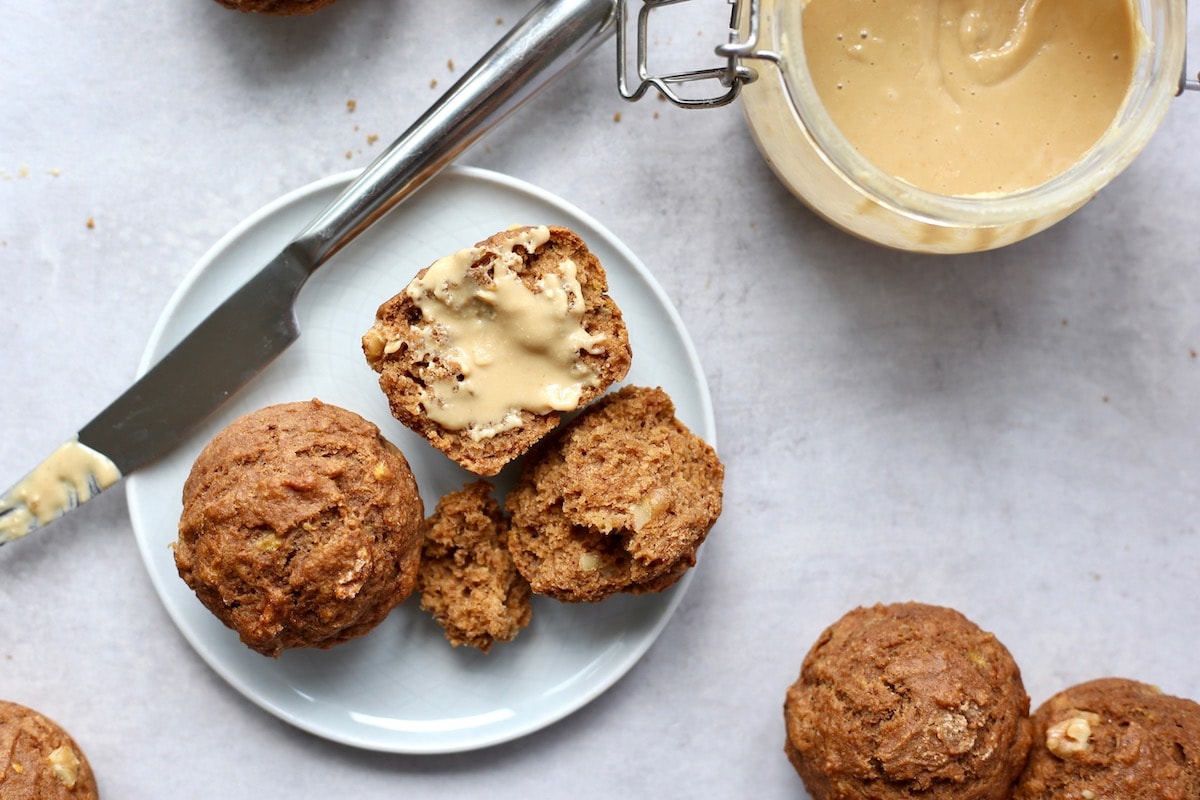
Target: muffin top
(906,699)
(39,760)
(301,526)
(279,8)
(1113,737)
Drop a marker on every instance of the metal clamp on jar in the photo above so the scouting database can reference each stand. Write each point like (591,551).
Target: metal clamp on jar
(766,60)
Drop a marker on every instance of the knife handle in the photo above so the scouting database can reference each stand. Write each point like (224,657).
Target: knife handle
(550,38)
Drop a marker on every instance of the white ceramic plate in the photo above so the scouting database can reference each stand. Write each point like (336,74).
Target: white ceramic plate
(403,688)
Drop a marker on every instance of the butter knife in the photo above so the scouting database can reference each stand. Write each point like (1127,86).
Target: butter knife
(257,322)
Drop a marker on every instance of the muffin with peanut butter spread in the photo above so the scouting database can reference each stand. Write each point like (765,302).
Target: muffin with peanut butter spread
(618,500)
(468,580)
(486,349)
(279,8)
(39,760)
(907,700)
(301,527)
(1113,738)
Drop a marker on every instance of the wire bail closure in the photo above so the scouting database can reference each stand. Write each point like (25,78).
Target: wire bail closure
(730,77)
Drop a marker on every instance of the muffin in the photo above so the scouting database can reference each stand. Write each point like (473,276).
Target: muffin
(468,581)
(1113,738)
(39,760)
(618,500)
(486,349)
(907,700)
(279,8)
(301,527)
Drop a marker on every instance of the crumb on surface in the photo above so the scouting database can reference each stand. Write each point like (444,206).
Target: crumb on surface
(351,105)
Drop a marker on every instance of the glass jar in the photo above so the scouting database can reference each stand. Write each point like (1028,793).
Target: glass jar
(811,156)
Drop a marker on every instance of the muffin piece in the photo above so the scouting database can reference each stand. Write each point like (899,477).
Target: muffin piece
(279,8)
(486,349)
(1113,738)
(301,527)
(468,580)
(39,760)
(619,500)
(907,700)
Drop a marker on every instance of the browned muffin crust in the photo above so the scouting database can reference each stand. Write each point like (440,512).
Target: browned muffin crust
(301,527)
(407,370)
(39,760)
(468,580)
(1113,738)
(906,701)
(619,500)
(279,8)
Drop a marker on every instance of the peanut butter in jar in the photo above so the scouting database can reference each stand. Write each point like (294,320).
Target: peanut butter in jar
(952,126)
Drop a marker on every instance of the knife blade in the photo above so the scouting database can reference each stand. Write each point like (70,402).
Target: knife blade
(244,334)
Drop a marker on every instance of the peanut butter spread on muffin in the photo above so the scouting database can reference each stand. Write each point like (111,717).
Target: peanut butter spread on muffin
(301,527)
(485,349)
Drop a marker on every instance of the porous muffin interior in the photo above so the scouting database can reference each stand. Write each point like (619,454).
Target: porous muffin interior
(619,500)
(468,580)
